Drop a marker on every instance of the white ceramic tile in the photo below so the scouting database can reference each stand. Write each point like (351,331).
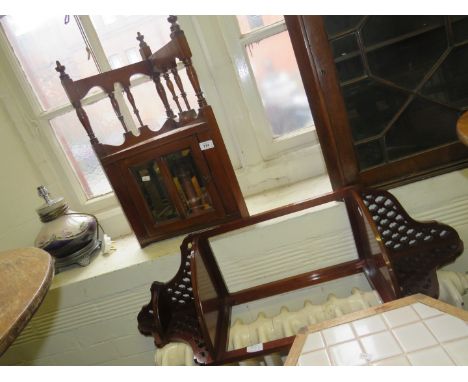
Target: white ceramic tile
(369,325)
(336,334)
(430,357)
(347,354)
(447,327)
(400,316)
(458,350)
(316,358)
(394,361)
(414,336)
(425,311)
(313,342)
(380,345)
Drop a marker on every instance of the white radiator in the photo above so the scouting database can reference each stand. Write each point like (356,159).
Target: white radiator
(453,290)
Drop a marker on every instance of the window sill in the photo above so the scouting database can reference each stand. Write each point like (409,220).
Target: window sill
(128,252)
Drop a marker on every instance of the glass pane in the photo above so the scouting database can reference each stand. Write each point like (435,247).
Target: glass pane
(251,22)
(407,61)
(75,144)
(449,84)
(347,58)
(190,185)
(369,154)
(460,28)
(104,122)
(422,125)
(340,24)
(152,186)
(370,107)
(208,297)
(378,29)
(280,85)
(38,42)
(118,36)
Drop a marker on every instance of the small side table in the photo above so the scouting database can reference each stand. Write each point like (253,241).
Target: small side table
(412,331)
(462,128)
(25,278)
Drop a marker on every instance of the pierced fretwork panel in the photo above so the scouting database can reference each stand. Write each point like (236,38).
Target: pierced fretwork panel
(416,249)
(171,314)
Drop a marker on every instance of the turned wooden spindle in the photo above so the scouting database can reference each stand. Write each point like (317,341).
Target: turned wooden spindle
(61,69)
(192,75)
(132,102)
(145,50)
(170,86)
(116,107)
(162,95)
(174,26)
(179,84)
(83,117)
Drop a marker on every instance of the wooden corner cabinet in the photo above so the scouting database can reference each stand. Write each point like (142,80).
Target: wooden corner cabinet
(177,179)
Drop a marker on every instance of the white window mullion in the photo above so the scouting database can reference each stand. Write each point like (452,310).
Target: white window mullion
(104,65)
(262,33)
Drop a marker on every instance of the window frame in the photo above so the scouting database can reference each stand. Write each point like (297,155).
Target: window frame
(237,45)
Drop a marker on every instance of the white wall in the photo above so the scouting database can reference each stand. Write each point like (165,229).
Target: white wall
(19,178)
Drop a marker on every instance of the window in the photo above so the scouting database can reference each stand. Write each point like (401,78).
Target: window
(393,88)
(259,101)
(39,42)
(270,80)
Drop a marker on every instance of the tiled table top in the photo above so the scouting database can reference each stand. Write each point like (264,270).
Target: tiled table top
(413,331)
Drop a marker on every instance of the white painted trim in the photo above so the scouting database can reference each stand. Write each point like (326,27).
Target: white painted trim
(269,146)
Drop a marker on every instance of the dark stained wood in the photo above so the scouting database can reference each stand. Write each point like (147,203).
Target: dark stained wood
(297,282)
(179,84)
(147,147)
(279,345)
(394,269)
(462,128)
(318,71)
(429,163)
(372,262)
(315,62)
(132,102)
(25,277)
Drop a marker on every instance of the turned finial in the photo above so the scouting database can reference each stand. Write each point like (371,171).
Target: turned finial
(145,50)
(141,38)
(174,26)
(61,69)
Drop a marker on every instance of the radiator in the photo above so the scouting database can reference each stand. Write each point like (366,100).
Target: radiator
(453,288)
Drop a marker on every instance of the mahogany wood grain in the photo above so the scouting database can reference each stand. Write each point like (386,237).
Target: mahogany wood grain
(279,345)
(318,72)
(462,128)
(296,282)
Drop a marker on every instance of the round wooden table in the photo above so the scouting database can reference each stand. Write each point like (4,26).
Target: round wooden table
(462,128)
(25,277)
